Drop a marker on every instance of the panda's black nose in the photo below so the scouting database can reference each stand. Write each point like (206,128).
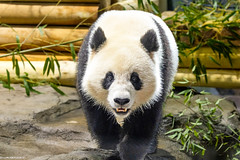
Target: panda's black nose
(121,101)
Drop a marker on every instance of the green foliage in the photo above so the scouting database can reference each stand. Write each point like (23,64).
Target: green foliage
(151,7)
(200,24)
(51,62)
(28,84)
(7,84)
(73,51)
(203,127)
(50,65)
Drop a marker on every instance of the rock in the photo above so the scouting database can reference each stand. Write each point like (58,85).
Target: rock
(51,126)
(170,149)
(56,111)
(85,154)
(100,154)
(15,102)
(228,120)
(176,106)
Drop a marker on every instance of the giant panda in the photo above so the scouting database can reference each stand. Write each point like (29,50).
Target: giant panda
(126,67)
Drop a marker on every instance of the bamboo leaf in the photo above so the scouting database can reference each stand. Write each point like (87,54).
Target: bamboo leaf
(17,69)
(198,146)
(46,65)
(55,87)
(220,147)
(179,136)
(26,86)
(141,4)
(212,59)
(218,101)
(231,116)
(8,84)
(174,130)
(58,66)
(238,152)
(185,81)
(8,78)
(232,130)
(155,9)
(173,135)
(217,140)
(41,29)
(18,43)
(73,52)
(205,93)
(13,61)
(49,67)
(234,33)
(182,113)
(228,16)
(33,90)
(29,62)
(52,66)
(194,68)
(204,70)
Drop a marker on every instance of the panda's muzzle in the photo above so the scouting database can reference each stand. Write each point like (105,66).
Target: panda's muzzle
(121,102)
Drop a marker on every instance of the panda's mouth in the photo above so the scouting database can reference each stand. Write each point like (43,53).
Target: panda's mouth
(121,110)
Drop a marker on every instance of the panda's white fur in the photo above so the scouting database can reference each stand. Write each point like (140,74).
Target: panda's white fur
(122,53)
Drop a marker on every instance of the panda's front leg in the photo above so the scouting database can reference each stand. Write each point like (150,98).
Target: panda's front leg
(141,130)
(133,149)
(102,127)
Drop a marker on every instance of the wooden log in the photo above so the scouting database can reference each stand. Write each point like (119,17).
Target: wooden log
(32,37)
(64,14)
(220,78)
(204,55)
(216,77)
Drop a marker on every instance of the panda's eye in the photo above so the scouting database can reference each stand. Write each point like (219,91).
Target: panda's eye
(108,80)
(136,81)
(109,77)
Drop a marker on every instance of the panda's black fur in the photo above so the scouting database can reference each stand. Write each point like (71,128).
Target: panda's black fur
(138,135)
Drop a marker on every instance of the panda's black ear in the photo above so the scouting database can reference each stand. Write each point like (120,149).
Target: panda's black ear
(149,41)
(98,39)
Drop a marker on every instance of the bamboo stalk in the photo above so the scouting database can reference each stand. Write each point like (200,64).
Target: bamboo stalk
(33,38)
(67,14)
(216,77)
(204,55)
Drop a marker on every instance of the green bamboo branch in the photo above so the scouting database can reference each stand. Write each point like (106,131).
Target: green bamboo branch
(39,48)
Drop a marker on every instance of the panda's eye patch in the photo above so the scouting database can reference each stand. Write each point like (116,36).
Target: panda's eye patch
(136,81)
(107,81)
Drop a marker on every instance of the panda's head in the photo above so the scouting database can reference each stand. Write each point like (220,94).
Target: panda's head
(121,75)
